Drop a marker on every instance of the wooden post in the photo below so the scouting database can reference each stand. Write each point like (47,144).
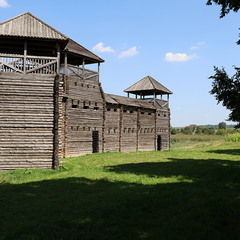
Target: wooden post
(155,131)
(120,127)
(25,57)
(56,124)
(58,58)
(138,128)
(98,68)
(83,66)
(65,63)
(99,72)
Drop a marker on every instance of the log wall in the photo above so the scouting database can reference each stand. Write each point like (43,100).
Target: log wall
(129,129)
(163,127)
(83,115)
(113,128)
(147,136)
(26,121)
(44,118)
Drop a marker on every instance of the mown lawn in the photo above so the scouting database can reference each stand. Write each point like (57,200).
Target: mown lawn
(182,194)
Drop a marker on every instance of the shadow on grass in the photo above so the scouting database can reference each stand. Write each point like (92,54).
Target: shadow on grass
(227,151)
(80,208)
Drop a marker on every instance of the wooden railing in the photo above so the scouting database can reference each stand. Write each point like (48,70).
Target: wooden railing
(78,71)
(28,64)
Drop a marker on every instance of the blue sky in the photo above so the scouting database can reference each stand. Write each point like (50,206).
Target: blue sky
(177,42)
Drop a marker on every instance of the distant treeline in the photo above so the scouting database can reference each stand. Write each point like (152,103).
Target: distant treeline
(220,129)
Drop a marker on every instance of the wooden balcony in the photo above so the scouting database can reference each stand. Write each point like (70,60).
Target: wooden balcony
(72,70)
(28,64)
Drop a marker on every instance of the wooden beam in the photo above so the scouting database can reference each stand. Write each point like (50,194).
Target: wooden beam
(41,66)
(83,66)
(56,124)
(25,57)
(12,67)
(58,58)
(65,63)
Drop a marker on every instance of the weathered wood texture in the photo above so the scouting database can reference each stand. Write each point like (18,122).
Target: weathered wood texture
(129,129)
(112,130)
(26,121)
(163,123)
(83,114)
(147,130)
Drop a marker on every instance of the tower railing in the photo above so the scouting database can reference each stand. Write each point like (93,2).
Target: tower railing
(28,64)
(72,70)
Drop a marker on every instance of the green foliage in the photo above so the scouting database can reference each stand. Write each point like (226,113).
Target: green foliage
(174,131)
(235,137)
(227,91)
(181,194)
(222,125)
(226,5)
(183,141)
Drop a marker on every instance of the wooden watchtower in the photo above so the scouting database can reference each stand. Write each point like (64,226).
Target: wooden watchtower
(150,90)
(41,73)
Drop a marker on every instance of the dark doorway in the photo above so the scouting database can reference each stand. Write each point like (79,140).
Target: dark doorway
(159,143)
(95,142)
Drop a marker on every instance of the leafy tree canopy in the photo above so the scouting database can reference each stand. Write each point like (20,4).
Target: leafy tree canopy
(227,5)
(227,91)
(222,125)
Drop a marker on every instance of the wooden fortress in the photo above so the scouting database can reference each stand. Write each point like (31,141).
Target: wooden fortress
(52,106)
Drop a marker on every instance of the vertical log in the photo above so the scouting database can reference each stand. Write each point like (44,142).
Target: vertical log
(104,116)
(25,57)
(83,67)
(65,63)
(138,128)
(56,123)
(120,127)
(58,58)
(98,68)
(155,131)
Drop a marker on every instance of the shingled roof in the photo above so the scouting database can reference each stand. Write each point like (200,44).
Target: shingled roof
(27,25)
(115,99)
(147,86)
(75,48)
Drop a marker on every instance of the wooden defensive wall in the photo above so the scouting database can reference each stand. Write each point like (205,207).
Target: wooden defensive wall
(52,106)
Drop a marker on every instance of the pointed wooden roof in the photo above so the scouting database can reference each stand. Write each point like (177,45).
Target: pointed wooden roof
(147,86)
(75,48)
(27,25)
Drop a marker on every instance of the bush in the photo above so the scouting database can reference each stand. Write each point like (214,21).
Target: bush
(233,137)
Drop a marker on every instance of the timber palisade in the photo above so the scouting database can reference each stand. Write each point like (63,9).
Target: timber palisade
(52,106)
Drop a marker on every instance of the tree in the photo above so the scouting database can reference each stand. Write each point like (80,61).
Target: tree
(227,91)
(222,125)
(227,6)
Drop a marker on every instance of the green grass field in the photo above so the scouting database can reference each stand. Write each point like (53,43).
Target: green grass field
(189,193)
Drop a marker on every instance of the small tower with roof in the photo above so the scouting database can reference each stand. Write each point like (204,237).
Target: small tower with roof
(150,90)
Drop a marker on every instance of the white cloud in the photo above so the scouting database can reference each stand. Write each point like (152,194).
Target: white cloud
(100,48)
(4,3)
(197,45)
(129,53)
(178,57)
